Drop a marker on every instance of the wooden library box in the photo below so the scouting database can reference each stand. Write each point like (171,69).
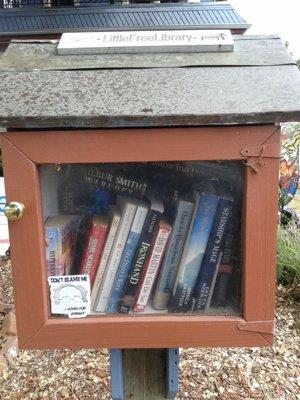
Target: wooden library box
(143,201)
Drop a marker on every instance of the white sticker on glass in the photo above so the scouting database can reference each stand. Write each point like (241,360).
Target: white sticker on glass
(70,295)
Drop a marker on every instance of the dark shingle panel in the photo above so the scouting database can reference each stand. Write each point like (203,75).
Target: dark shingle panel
(56,20)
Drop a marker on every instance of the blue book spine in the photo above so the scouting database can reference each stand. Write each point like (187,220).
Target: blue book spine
(173,255)
(212,254)
(193,252)
(127,256)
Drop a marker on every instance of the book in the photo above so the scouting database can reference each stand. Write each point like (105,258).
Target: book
(210,261)
(212,287)
(114,219)
(80,243)
(194,249)
(140,256)
(219,297)
(152,266)
(94,245)
(127,256)
(116,181)
(128,208)
(60,233)
(168,270)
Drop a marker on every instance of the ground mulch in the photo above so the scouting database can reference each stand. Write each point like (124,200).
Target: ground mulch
(268,373)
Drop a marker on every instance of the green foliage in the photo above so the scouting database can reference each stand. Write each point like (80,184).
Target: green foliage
(288,255)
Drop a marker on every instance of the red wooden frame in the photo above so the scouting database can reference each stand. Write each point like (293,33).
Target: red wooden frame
(257,145)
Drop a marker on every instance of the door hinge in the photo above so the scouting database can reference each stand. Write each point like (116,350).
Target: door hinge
(257,326)
(266,150)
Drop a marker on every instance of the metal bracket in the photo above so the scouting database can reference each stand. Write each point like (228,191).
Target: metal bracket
(269,150)
(257,326)
(116,374)
(172,364)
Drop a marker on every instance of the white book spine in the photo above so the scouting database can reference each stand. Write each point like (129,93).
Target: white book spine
(104,258)
(128,212)
(153,266)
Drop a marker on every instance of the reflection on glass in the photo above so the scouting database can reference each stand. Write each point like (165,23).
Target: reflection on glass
(153,237)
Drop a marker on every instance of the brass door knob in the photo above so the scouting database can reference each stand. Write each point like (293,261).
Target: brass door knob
(14,210)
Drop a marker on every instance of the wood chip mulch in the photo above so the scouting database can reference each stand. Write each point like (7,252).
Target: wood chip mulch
(232,373)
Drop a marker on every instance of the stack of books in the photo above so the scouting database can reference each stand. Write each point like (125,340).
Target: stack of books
(146,248)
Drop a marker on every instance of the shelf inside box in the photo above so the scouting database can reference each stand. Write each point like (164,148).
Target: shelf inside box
(143,238)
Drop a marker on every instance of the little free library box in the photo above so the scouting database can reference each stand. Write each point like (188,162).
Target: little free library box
(142,193)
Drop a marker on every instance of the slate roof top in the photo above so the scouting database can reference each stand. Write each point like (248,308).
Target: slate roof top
(256,83)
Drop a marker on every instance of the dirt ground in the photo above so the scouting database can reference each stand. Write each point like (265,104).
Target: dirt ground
(268,373)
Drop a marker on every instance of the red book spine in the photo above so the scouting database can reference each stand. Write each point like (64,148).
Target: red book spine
(92,252)
(152,266)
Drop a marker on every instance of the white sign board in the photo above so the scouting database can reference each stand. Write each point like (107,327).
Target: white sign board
(167,41)
(4,238)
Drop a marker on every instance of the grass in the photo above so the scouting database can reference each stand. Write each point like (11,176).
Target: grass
(288,255)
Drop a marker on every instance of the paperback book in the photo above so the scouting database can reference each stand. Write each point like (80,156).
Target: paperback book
(94,246)
(152,265)
(127,256)
(128,209)
(205,209)
(168,271)
(140,257)
(210,261)
(114,219)
(60,232)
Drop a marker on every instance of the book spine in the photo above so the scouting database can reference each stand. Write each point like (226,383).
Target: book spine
(127,256)
(104,258)
(210,261)
(194,252)
(115,256)
(168,271)
(212,288)
(117,182)
(53,251)
(92,252)
(139,260)
(225,270)
(152,267)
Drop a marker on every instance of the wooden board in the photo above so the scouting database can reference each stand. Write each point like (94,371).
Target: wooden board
(144,374)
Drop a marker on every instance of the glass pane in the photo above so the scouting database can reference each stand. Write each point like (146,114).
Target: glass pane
(152,237)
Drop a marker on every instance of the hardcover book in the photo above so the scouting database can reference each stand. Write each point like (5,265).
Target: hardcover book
(114,219)
(168,270)
(116,181)
(94,246)
(205,209)
(127,256)
(60,233)
(128,209)
(212,254)
(152,266)
(141,254)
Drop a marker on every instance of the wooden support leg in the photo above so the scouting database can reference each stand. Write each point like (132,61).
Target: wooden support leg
(144,374)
